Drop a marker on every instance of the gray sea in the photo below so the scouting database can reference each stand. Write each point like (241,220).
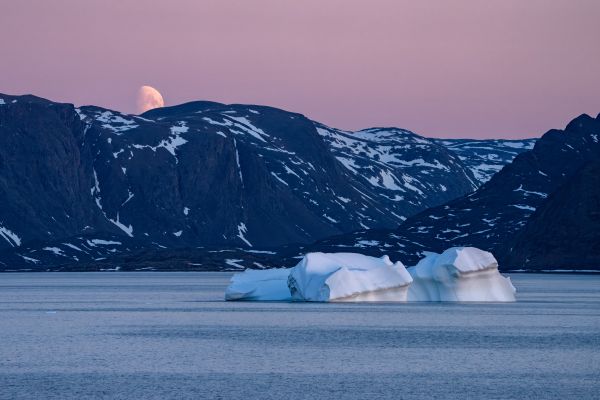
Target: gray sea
(171,336)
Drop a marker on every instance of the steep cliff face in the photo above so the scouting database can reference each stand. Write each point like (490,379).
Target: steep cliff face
(45,173)
(564,232)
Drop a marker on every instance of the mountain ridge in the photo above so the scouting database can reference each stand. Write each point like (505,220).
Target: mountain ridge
(202,174)
(499,209)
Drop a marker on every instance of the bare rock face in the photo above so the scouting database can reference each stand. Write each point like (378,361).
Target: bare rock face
(45,172)
(564,232)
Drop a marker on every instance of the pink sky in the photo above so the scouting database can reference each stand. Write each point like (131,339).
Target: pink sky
(464,68)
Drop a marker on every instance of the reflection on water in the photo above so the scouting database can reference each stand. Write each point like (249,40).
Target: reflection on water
(169,335)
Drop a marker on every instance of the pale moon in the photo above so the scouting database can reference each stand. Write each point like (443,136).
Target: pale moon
(149,98)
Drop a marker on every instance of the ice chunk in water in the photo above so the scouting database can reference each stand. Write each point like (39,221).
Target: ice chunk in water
(261,285)
(459,274)
(348,277)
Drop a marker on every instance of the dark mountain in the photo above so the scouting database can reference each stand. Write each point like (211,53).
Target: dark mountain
(86,184)
(408,172)
(45,173)
(212,176)
(491,216)
(564,232)
(486,157)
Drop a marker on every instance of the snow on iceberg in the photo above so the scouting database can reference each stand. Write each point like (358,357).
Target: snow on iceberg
(348,277)
(459,274)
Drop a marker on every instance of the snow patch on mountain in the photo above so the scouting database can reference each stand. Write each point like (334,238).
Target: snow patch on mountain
(528,192)
(486,157)
(128,229)
(115,122)
(56,250)
(103,242)
(12,238)
(238,125)
(29,259)
(242,230)
(171,143)
(234,263)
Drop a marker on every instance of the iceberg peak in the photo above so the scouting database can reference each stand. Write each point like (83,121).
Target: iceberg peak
(459,274)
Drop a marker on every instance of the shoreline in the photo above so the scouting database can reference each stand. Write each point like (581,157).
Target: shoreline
(515,271)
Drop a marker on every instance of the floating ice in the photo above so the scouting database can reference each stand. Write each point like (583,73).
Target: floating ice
(325,277)
(262,285)
(458,274)
(348,277)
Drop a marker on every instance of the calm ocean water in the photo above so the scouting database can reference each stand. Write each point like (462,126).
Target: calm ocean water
(170,335)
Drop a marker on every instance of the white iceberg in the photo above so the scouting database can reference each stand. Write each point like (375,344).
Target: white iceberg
(458,274)
(260,285)
(348,277)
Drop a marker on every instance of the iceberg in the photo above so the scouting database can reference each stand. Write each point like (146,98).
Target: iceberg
(348,277)
(260,285)
(458,274)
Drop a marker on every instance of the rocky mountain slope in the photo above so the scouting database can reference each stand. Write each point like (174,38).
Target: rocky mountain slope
(492,216)
(84,184)
(408,172)
(486,157)
(564,232)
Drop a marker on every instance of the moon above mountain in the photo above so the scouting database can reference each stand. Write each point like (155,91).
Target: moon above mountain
(149,98)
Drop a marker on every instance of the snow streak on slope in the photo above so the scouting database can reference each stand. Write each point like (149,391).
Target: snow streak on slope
(407,171)
(12,238)
(486,157)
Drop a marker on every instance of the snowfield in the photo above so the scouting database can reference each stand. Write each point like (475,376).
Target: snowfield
(464,274)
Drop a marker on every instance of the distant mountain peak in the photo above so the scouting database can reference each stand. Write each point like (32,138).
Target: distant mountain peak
(580,123)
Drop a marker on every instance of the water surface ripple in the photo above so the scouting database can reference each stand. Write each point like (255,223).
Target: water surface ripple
(170,335)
